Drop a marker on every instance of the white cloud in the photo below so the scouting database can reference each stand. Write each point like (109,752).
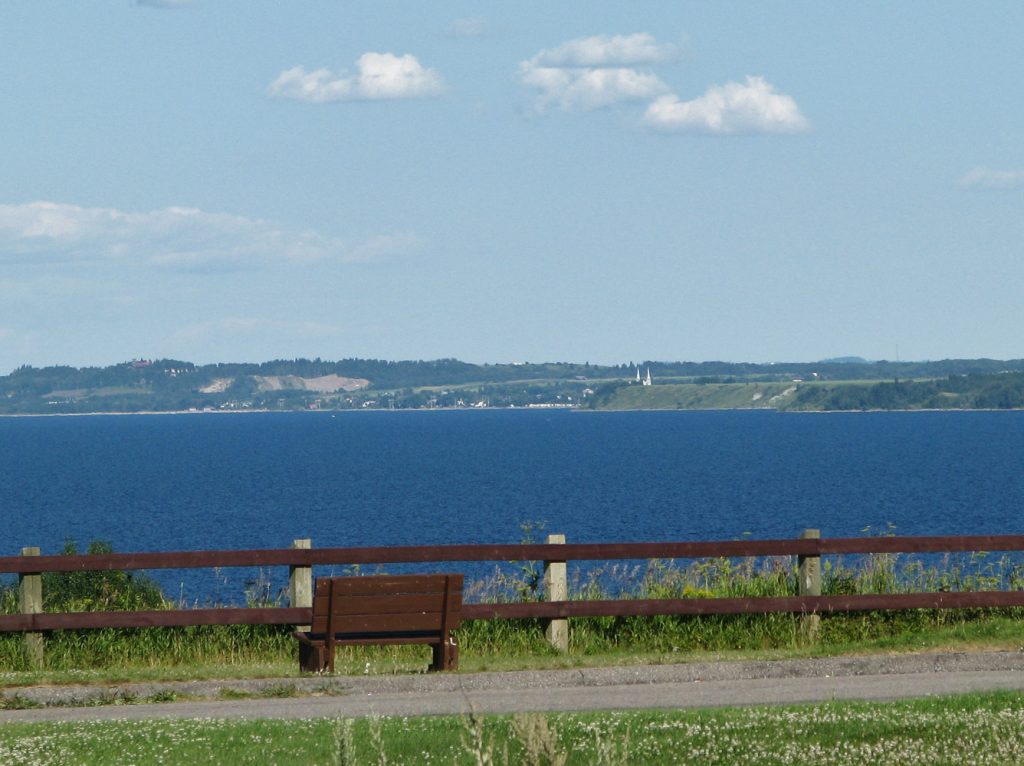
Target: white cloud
(595,72)
(986,178)
(177,237)
(605,51)
(590,88)
(378,76)
(751,107)
(471,27)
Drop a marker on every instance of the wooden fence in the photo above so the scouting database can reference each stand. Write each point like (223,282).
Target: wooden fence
(301,557)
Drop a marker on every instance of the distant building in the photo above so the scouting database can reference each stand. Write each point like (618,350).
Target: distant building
(645,381)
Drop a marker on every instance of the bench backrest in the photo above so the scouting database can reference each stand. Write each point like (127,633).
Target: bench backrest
(382,604)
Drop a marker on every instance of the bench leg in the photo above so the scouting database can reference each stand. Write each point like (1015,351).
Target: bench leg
(446,655)
(311,658)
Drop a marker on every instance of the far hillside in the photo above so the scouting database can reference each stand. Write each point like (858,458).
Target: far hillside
(990,392)
(165,385)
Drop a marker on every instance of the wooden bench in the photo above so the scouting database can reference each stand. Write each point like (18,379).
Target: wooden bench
(383,609)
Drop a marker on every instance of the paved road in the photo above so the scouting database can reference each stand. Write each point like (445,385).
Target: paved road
(658,686)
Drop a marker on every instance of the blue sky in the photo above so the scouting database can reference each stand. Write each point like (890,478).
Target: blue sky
(239,181)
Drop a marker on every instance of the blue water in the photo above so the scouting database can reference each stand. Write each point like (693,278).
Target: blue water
(184,482)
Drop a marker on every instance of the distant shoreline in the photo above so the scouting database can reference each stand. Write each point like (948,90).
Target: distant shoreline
(136,412)
(495,409)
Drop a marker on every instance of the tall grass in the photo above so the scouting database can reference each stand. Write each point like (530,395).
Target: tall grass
(746,578)
(499,640)
(95,591)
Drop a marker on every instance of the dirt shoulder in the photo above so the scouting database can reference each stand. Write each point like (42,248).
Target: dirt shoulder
(677,685)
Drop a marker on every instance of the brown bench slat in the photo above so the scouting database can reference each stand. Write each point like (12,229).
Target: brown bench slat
(373,584)
(395,623)
(381,640)
(378,604)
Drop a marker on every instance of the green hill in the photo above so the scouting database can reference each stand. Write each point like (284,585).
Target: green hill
(1003,391)
(165,385)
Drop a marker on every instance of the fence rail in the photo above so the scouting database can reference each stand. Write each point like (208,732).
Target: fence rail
(171,618)
(301,558)
(419,554)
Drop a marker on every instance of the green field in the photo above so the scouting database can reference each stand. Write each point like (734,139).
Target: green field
(975,729)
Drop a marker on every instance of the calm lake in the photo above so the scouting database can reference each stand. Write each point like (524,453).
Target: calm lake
(181,482)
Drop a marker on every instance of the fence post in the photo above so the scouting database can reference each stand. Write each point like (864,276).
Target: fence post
(809,584)
(556,588)
(300,582)
(30,591)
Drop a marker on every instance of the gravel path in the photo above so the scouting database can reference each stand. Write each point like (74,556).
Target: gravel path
(698,684)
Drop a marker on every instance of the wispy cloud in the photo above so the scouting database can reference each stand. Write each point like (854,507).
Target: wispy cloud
(378,76)
(594,72)
(383,247)
(469,27)
(607,51)
(241,327)
(163,3)
(174,237)
(986,178)
(750,107)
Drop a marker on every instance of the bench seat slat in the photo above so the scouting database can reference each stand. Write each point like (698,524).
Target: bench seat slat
(355,623)
(392,640)
(375,584)
(427,636)
(376,604)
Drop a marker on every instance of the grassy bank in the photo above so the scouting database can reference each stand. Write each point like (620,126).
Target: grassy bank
(505,644)
(976,729)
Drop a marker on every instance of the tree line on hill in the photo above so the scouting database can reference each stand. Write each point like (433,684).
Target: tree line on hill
(969,392)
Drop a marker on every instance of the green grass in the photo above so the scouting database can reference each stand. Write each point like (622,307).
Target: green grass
(993,633)
(269,651)
(198,671)
(975,729)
